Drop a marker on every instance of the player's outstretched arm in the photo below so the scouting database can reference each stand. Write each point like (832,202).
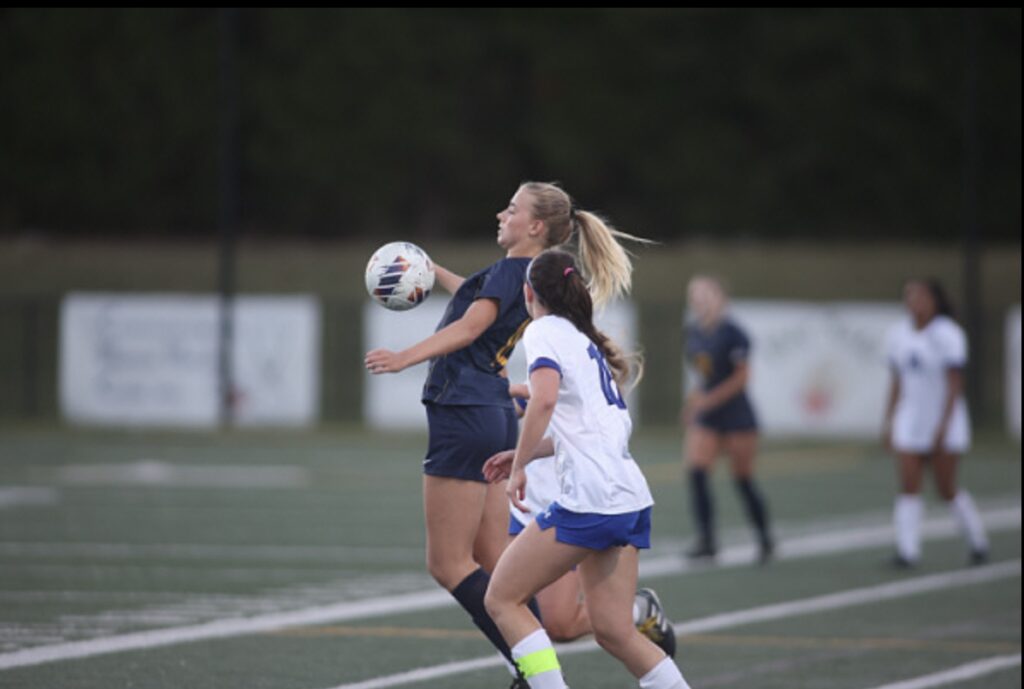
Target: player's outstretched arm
(449,280)
(478,317)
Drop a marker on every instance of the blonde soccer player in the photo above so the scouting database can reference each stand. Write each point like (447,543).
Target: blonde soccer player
(469,411)
(602,516)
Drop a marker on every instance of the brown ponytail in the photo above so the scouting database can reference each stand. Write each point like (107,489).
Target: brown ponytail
(556,281)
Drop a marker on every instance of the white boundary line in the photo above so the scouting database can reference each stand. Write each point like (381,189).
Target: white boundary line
(806,606)
(979,668)
(817,544)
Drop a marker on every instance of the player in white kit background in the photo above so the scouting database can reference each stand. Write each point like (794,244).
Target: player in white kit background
(926,419)
(601,517)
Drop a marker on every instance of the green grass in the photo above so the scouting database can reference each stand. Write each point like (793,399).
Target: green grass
(95,559)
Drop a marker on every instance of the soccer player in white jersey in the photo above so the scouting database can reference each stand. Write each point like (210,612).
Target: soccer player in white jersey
(562,610)
(926,422)
(602,516)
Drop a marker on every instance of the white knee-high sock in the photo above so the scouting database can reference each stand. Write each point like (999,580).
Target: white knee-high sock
(970,522)
(665,675)
(907,516)
(536,659)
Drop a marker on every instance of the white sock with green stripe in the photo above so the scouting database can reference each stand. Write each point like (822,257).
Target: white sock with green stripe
(536,659)
(664,675)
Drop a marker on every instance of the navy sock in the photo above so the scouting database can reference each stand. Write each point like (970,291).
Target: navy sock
(754,504)
(535,609)
(470,594)
(703,509)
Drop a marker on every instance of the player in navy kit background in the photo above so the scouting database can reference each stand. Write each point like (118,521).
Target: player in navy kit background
(469,410)
(717,414)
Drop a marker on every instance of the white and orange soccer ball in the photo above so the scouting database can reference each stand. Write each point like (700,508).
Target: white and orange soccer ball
(399,275)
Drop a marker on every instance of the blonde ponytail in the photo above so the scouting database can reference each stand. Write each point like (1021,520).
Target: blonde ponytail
(606,263)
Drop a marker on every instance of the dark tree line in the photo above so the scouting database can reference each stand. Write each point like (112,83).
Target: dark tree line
(796,123)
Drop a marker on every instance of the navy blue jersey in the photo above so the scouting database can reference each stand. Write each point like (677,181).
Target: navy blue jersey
(471,375)
(713,357)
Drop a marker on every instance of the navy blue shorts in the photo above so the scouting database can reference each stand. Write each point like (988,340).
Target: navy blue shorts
(735,416)
(462,438)
(597,531)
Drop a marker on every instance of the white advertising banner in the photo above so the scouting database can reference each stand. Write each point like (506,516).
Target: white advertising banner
(1013,371)
(818,370)
(151,360)
(392,400)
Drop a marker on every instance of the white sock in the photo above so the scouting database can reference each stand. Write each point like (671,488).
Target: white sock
(970,522)
(907,517)
(665,675)
(536,659)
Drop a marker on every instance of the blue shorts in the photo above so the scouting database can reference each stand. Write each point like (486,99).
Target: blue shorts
(735,416)
(462,438)
(515,527)
(598,531)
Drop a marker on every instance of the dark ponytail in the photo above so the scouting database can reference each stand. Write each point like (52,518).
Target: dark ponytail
(558,284)
(943,304)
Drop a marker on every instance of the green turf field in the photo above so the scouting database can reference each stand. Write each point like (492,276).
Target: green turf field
(294,561)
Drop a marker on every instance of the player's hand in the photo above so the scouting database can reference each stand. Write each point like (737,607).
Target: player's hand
(499,466)
(519,390)
(383,361)
(938,442)
(516,488)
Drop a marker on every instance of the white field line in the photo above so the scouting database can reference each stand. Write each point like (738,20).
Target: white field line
(31,496)
(149,472)
(805,606)
(202,551)
(961,673)
(827,543)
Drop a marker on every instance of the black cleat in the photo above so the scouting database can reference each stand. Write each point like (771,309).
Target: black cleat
(702,551)
(649,618)
(900,562)
(766,551)
(978,557)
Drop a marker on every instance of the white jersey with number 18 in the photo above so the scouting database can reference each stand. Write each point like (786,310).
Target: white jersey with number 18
(590,425)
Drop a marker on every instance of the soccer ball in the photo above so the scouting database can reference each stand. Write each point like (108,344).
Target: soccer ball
(399,275)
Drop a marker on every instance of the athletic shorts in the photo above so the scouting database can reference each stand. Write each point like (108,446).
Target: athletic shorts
(462,438)
(735,416)
(597,531)
(515,527)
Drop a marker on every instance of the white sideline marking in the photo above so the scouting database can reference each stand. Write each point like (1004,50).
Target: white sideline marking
(829,543)
(151,472)
(834,542)
(16,496)
(832,601)
(203,551)
(979,668)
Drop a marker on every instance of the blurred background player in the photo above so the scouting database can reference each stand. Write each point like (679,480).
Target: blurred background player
(717,414)
(926,420)
(602,516)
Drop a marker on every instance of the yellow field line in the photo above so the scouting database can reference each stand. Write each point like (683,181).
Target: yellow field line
(794,642)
